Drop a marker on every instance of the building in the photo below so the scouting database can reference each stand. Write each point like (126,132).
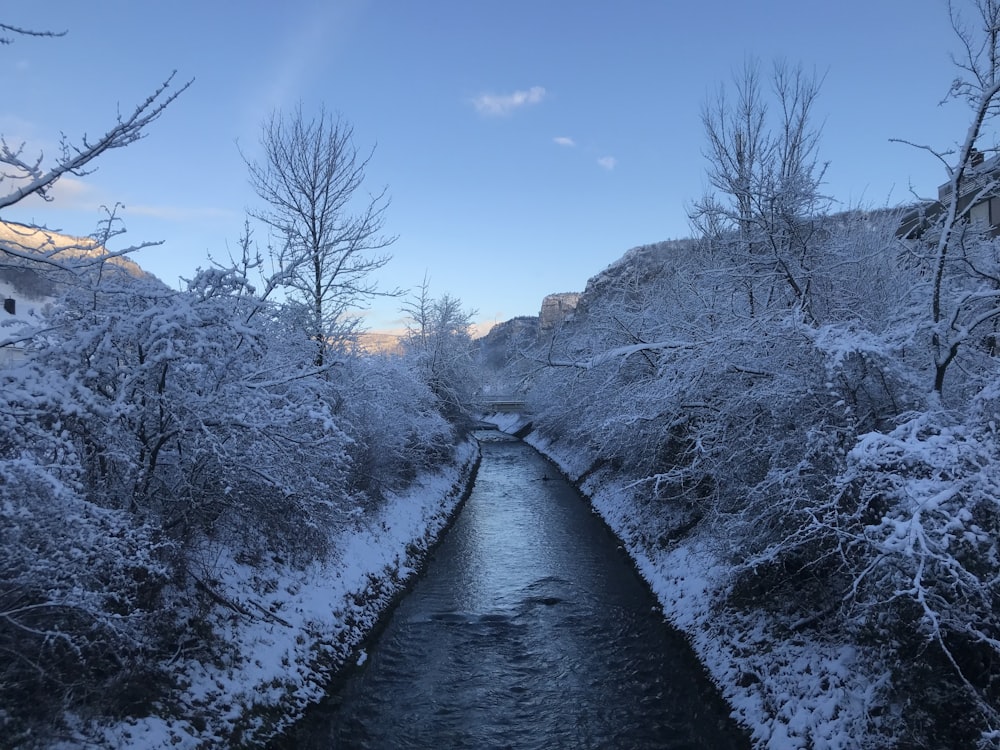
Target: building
(975,198)
(980,177)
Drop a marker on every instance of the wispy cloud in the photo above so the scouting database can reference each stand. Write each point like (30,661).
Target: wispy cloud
(608,162)
(71,194)
(180,213)
(498,105)
(563,140)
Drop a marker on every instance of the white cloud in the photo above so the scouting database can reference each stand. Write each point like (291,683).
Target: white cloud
(496,105)
(608,162)
(563,140)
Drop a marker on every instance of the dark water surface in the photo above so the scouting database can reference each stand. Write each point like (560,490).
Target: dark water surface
(529,629)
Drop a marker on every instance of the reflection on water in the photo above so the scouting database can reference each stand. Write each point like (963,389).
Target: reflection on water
(530,629)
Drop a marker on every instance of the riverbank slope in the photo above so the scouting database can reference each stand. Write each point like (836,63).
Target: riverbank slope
(789,691)
(290,630)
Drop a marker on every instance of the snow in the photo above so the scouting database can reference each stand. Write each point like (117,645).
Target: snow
(507,422)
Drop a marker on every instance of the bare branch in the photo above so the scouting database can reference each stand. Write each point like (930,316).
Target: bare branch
(19,31)
(76,157)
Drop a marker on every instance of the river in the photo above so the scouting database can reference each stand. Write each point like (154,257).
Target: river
(529,629)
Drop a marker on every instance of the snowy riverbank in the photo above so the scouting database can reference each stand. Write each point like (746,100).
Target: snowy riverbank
(289,630)
(790,690)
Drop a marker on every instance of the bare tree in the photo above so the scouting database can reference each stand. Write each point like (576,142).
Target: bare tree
(419,310)
(765,171)
(309,176)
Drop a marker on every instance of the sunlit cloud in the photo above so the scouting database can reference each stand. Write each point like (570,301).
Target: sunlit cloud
(497,105)
(608,162)
(68,193)
(563,140)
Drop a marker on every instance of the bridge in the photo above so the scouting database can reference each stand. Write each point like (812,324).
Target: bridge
(505,405)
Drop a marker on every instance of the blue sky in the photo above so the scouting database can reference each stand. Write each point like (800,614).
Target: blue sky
(526,144)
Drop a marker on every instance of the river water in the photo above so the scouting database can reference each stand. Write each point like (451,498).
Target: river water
(529,629)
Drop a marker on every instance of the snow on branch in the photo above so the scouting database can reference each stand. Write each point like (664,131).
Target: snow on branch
(76,157)
(621,352)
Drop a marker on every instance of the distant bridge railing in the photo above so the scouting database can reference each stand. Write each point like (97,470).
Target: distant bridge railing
(504,406)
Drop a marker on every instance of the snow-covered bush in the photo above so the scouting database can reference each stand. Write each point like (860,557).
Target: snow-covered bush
(151,428)
(920,526)
(202,411)
(438,346)
(397,429)
(739,424)
(80,584)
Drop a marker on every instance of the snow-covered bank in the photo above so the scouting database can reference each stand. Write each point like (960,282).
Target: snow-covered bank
(789,689)
(289,630)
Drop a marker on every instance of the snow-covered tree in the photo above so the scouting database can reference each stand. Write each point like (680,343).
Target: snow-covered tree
(439,345)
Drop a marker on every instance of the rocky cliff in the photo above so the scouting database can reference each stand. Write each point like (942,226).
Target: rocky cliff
(555,309)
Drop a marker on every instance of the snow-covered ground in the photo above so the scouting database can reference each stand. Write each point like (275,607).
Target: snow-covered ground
(290,630)
(791,691)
